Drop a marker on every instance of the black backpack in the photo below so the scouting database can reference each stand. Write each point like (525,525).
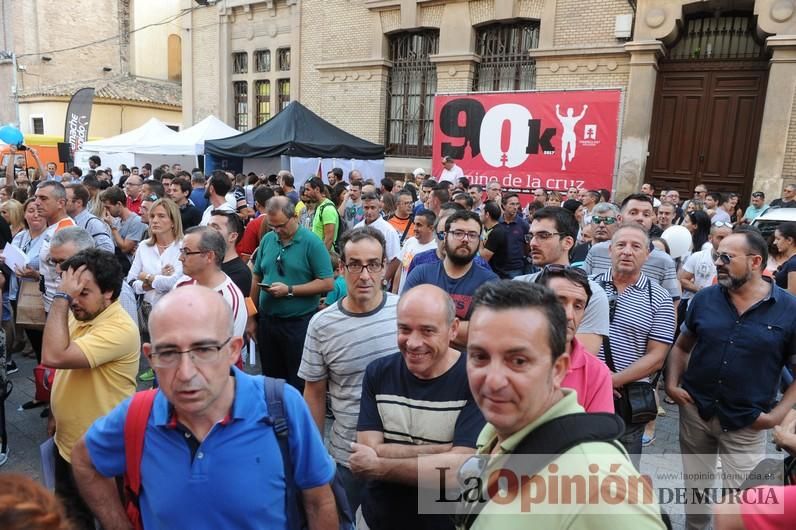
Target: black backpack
(551,439)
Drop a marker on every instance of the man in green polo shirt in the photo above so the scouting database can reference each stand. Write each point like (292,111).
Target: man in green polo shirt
(516,362)
(326,221)
(291,272)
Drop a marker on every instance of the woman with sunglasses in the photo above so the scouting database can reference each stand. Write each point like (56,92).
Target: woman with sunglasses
(785,241)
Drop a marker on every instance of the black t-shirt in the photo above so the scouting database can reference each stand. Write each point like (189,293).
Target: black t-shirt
(239,273)
(781,276)
(191,216)
(779,203)
(579,253)
(497,243)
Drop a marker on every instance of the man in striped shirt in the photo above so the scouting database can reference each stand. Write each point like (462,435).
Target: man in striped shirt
(642,321)
(658,266)
(342,340)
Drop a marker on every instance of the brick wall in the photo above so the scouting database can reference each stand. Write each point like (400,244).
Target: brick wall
(789,167)
(204,39)
(581,23)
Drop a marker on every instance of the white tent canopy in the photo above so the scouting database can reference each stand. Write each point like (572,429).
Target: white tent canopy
(191,141)
(147,139)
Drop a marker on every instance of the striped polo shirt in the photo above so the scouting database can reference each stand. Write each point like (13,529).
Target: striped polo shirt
(338,347)
(659,267)
(643,312)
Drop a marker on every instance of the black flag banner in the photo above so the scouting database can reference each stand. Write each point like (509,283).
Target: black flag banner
(78,116)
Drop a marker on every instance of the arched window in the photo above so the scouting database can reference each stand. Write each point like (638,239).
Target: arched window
(410,93)
(730,36)
(175,58)
(505,63)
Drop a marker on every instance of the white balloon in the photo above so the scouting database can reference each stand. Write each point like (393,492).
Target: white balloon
(679,240)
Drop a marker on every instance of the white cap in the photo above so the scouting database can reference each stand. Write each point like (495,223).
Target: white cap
(419,171)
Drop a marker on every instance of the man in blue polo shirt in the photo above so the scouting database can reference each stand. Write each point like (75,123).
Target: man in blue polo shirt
(725,367)
(210,459)
(516,227)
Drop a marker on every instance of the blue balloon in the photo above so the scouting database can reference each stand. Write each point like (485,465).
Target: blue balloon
(11,135)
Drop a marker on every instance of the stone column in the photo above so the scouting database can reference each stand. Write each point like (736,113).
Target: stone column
(637,117)
(224,69)
(776,116)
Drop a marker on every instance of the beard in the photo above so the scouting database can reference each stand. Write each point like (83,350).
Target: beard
(458,259)
(731,282)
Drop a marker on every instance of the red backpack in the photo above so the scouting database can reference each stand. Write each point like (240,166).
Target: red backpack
(134,433)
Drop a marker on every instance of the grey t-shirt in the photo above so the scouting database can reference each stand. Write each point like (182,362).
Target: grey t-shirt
(595,319)
(133,229)
(338,348)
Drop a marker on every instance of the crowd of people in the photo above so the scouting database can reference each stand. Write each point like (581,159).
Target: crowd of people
(421,324)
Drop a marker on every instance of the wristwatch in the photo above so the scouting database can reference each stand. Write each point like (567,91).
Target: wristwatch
(65,296)
(290,291)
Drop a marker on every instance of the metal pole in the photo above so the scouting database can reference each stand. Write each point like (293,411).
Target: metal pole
(15,89)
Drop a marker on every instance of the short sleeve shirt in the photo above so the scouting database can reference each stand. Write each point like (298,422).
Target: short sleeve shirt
(461,290)
(781,276)
(233,479)
(325,214)
(304,259)
(701,265)
(132,229)
(659,267)
(409,410)
(111,345)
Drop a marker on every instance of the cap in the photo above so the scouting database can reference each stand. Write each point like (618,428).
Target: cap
(419,171)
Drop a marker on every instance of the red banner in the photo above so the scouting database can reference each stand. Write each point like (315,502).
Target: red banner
(529,140)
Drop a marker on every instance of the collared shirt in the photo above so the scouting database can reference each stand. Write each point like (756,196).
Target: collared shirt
(111,344)
(734,369)
(97,228)
(642,312)
(659,267)
(231,479)
(753,213)
(150,260)
(304,259)
(391,237)
(515,244)
(590,378)
(605,459)
(51,278)
(452,174)
(134,205)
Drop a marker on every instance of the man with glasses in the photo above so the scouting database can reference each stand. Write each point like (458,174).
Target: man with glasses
(456,274)
(725,367)
(208,439)
(788,199)
(291,272)
(202,254)
(132,189)
(552,235)
(342,340)
(95,346)
(604,222)
(756,208)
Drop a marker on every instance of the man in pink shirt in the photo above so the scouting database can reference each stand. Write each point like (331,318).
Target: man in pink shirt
(587,375)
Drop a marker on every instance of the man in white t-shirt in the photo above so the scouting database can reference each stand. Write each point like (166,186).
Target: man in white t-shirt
(699,270)
(451,171)
(202,254)
(372,212)
(423,240)
(218,187)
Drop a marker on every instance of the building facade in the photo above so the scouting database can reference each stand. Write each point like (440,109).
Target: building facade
(128,50)
(708,85)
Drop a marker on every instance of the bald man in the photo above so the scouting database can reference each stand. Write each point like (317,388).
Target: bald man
(416,401)
(206,434)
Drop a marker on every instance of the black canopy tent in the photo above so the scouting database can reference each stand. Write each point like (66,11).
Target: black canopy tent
(296,131)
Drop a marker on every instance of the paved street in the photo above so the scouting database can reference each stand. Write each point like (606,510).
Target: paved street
(26,430)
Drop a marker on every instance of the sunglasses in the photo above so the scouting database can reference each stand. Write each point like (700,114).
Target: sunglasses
(596,219)
(726,258)
(722,224)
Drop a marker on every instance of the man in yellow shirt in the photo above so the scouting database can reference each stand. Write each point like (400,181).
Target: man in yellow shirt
(95,348)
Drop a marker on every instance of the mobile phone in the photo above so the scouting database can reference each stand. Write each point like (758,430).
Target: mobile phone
(266,285)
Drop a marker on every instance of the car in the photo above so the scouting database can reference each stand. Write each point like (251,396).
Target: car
(772,218)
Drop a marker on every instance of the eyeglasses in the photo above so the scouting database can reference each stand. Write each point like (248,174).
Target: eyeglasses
(356,268)
(185,252)
(441,235)
(726,258)
(596,219)
(463,235)
(700,192)
(541,236)
(204,354)
(279,266)
(721,224)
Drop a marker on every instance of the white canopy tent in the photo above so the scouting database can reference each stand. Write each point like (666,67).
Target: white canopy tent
(135,148)
(191,141)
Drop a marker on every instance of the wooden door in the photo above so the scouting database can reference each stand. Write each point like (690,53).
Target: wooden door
(706,125)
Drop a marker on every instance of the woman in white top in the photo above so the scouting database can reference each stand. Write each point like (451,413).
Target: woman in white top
(157,267)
